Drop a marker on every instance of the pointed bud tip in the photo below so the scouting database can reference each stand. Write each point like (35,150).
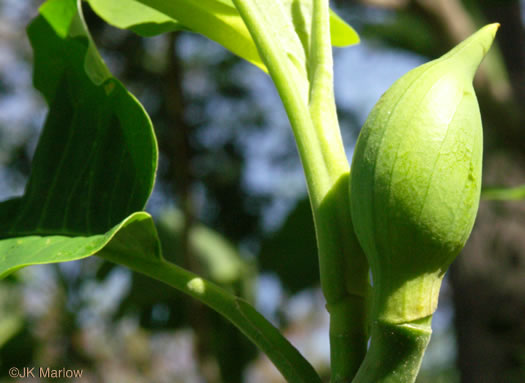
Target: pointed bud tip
(491,29)
(471,51)
(487,35)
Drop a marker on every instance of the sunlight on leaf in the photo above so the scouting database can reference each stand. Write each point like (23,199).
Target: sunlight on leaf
(216,19)
(16,253)
(300,12)
(341,33)
(96,158)
(135,16)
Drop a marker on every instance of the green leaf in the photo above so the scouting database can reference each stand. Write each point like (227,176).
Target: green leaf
(216,19)
(135,16)
(134,243)
(136,234)
(125,250)
(136,247)
(216,259)
(96,159)
(94,165)
(341,33)
(300,13)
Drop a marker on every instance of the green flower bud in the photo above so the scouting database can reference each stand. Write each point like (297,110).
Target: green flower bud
(416,178)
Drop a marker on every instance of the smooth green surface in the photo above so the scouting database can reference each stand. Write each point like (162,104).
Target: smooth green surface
(416,178)
(19,252)
(344,281)
(96,159)
(134,244)
(348,336)
(396,352)
(343,265)
(307,95)
(125,250)
(216,19)
(215,258)
(341,34)
(94,167)
(133,15)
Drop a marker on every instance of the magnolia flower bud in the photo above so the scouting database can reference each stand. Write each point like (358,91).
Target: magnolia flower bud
(416,178)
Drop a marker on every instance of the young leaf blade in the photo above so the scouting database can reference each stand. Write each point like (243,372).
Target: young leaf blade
(98,117)
(341,34)
(135,16)
(300,13)
(251,323)
(216,19)
(19,252)
(96,159)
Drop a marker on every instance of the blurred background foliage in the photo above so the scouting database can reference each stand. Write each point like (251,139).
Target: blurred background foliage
(230,205)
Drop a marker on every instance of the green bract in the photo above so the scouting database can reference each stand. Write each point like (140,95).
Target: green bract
(416,177)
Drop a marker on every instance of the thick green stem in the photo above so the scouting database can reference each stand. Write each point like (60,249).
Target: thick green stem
(396,352)
(261,332)
(343,266)
(344,280)
(347,337)
(280,69)
(321,98)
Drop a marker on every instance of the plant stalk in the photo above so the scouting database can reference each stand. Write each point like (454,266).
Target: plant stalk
(262,333)
(343,266)
(396,352)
